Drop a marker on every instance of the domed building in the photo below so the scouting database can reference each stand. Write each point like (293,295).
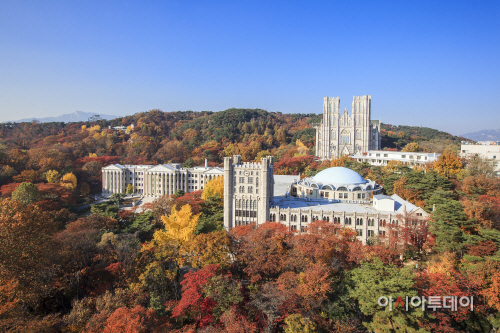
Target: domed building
(253,194)
(337,184)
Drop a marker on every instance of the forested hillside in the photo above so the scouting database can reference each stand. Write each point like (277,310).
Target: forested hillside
(161,137)
(171,267)
(429,139)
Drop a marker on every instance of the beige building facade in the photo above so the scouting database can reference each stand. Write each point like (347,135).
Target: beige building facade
(342,134)
(248,190)
(155,180)
(486,149)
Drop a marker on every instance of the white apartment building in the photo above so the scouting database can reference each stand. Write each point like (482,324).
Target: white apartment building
(381,157)
(486,149)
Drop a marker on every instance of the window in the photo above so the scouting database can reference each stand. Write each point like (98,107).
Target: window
(344,137)
(359,232)
(403,156)
(250,189)
(371,233)
(242,189)
(386,155)
(250,180)
(242,180)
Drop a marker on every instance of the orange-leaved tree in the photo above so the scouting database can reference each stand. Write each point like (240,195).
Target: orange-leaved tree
(448,164)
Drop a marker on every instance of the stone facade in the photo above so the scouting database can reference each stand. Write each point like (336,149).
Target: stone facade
(248,191)
(155,180)
(250,198)
(344,134)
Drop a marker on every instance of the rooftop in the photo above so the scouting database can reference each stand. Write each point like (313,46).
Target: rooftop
(339,175)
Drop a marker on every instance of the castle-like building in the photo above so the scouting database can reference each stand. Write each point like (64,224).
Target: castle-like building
(344,134)
(252,194)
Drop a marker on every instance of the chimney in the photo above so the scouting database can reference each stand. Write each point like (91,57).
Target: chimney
(206,163)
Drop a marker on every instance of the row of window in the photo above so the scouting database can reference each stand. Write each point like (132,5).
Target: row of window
(411,157)
(242,223)
(251,173)
(249,189)
(245,213)
(245,204)
(347,220)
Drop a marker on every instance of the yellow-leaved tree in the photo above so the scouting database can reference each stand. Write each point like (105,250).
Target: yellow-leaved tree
(68,181)
(180,226)
(301,148)
(391,167)
(206,249)
(52,176)
(412,147)
(340,162)
(213,187)
(448,164)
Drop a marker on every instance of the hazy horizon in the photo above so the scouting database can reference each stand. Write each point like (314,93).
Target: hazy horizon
(430,64)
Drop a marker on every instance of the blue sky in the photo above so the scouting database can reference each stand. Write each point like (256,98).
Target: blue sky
(430,63)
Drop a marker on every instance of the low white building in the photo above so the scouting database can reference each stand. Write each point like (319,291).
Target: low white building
(381,157)
(486,149)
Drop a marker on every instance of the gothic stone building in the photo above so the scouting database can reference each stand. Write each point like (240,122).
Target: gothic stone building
(344,134)
(252,194)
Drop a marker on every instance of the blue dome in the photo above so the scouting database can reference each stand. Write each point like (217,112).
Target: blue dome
(339,175)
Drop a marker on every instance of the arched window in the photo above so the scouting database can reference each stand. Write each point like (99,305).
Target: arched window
(327,219)
(345,137)
(368,188)
(314,185)
(357,188)
(328,187)
(342,188)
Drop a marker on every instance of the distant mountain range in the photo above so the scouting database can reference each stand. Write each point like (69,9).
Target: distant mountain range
(484,135)
(76,116)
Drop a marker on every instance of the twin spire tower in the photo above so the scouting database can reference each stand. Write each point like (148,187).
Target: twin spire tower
(342,134)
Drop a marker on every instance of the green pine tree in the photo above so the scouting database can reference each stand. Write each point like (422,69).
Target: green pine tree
(376,279)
